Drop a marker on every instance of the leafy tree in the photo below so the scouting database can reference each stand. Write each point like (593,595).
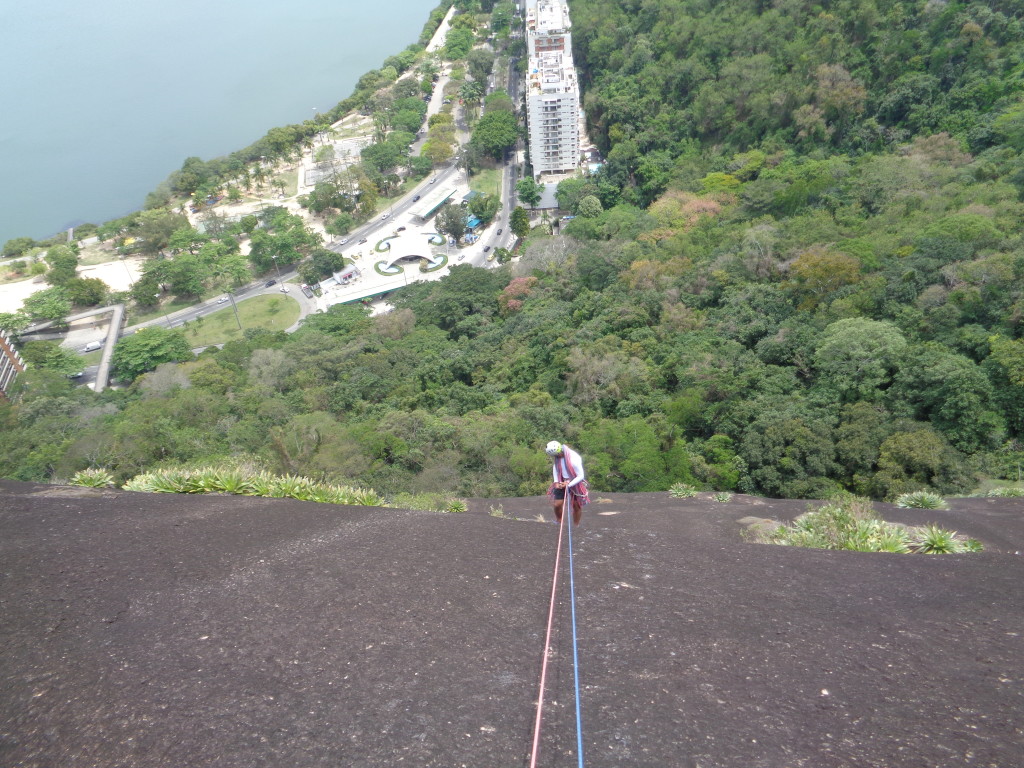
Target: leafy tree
(17,246)
(63,261)
(790,456)
(485,207)
(918,460)
(458,42)
(856,358)
(51,356)
(519,221)
(52,304)
(952,392)
(437,151)
(570,191)
(495,132)
(479,62)
(819,273)
(147,348)
(451,220)
(155,228)
(86,292)
(529,191)
(590,207)
(341,224)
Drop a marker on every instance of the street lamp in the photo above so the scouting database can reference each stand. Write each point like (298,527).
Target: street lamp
(131,282)
(234,306)
(166,316)
(278,268)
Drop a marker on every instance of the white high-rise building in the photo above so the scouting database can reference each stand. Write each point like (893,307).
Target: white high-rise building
(552,91)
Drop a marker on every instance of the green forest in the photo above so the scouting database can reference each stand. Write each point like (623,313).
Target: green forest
(798,272)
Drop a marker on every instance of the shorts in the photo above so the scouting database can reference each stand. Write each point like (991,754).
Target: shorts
(559,494)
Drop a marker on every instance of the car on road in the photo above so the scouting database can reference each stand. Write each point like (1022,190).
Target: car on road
(343,241)
(462,256)
(500,230)
(92,346)
(384,216)
(400,229)
(78,375)
(433,180)
(269,283)
(284,289)
(415,199)
(361,241)
(222,300)
(487,248)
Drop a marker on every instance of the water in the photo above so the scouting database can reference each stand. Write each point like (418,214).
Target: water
(100,101)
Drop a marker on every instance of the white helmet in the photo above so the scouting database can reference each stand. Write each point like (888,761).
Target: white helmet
(553,448)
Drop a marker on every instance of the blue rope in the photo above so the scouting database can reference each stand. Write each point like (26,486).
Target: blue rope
(575,653)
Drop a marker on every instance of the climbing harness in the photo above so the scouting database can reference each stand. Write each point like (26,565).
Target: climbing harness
(566,511)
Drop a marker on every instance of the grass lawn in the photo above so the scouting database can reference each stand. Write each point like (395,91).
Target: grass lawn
(274,313)
(487,181)
(151,314)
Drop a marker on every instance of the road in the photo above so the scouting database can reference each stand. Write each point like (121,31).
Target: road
(497,235)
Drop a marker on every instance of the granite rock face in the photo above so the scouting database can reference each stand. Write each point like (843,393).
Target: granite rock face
(156,630)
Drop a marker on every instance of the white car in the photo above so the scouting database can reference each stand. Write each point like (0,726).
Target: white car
(284,289)
(222,300)
(344,241)
(384,216)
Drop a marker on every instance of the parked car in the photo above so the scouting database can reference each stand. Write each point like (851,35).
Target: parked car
(92,346)
(500,230)
(270,283)
(400,229)
(78,375)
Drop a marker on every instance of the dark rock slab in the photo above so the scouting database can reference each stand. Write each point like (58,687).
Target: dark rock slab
(154,630)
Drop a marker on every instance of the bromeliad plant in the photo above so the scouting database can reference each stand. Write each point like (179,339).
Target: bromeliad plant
(921,500)
(238,482)
(682,491)
(853,525)
(93,478)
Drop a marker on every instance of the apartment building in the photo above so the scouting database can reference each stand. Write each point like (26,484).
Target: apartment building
(552,91)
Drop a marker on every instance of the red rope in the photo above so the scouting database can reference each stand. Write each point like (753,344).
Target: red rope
(547,646)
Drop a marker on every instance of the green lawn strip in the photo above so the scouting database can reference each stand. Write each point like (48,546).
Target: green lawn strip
(441,265)
(486,181)
(273,313)
(134,318)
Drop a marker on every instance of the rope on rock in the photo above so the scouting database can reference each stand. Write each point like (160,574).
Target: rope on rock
(565,523)
(575,652)
(547,650)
